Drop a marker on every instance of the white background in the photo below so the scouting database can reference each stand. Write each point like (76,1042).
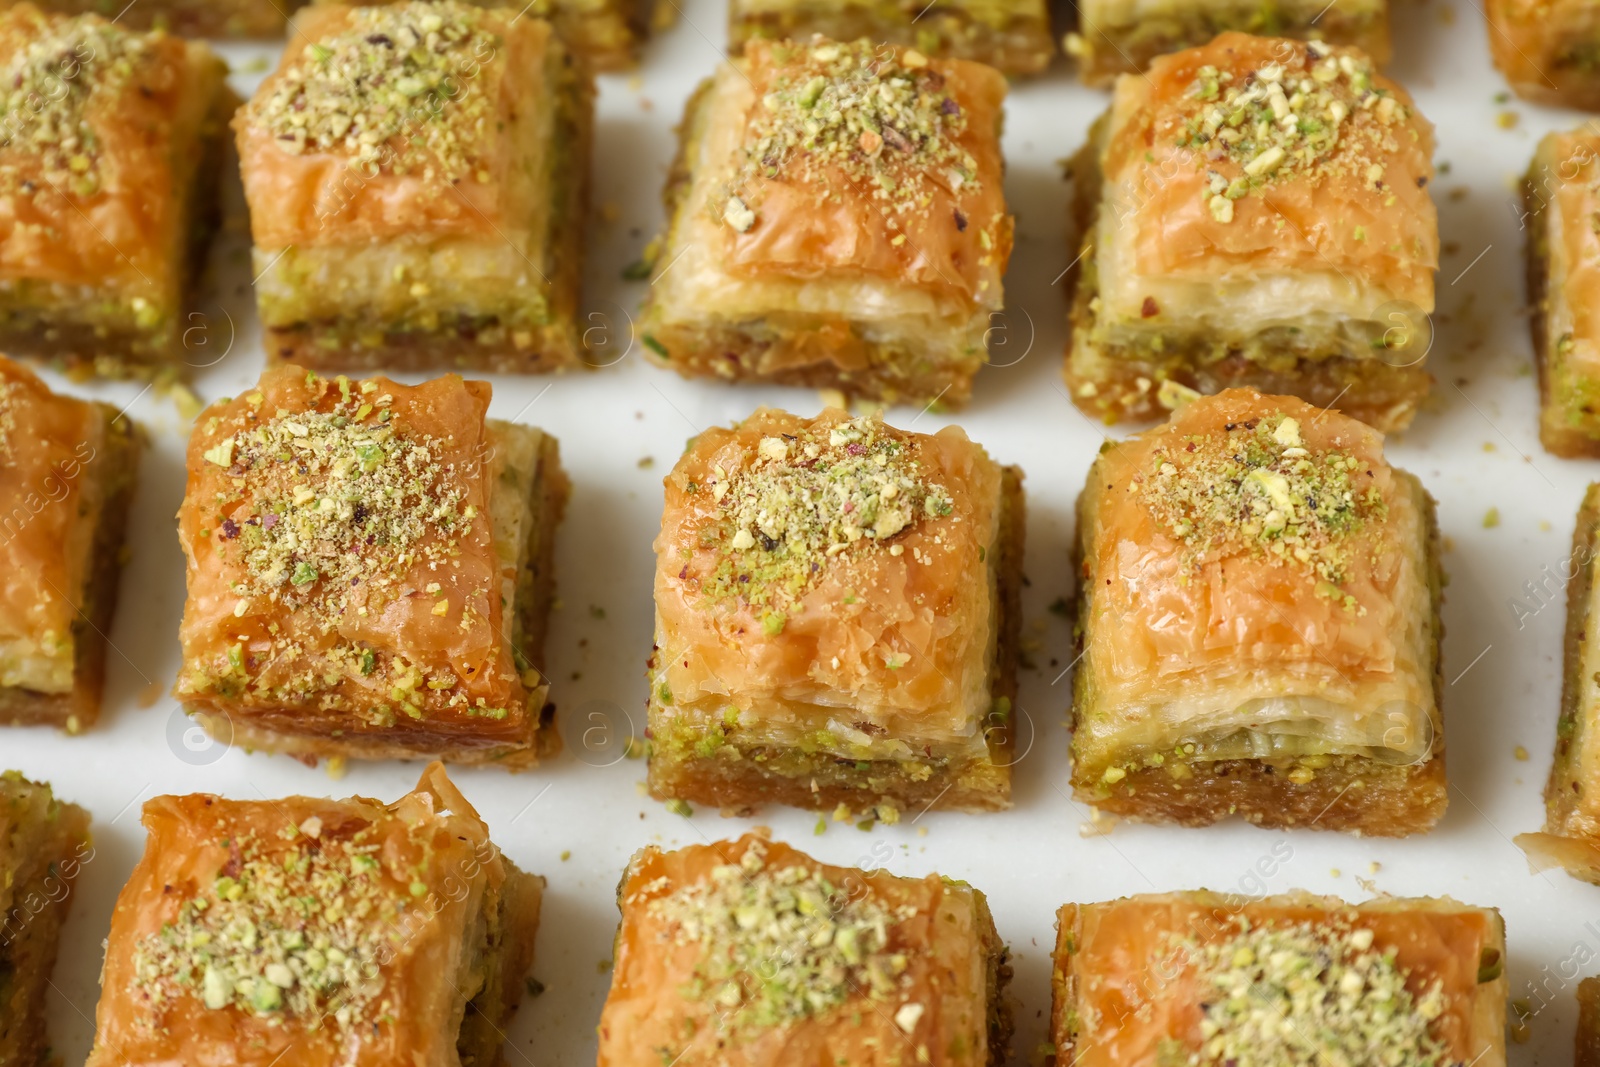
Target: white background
(1474,446)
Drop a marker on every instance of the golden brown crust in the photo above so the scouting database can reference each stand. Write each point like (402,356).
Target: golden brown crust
(608,34)
(188,18)
(1547,50)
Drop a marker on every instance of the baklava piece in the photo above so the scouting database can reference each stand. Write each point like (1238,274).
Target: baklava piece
(1207,978)
(108,174)
(316,932)
(370,571)
(1255,212)
(1561,199)
(1571,835)
(1548,50)
(835,219)
(417,175)
(607,34)
(836,619)
(1012,36)
(1587,1052)
(67,474)
(750,952)
(1258,619)
(1124,36)
(44,845)
(188,18)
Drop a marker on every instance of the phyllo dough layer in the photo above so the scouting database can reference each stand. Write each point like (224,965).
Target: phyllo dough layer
(1259,617)
(1124,36)
(417,175)
(1012,36)
(1255,212)
(108,192)
(1571,835)
(1548,50)
(370,571)
(836,218)
(748,953)
(44,846)
(1207,978)
(607,34)
(1561,196)
(187,18)
(67,474)
(323,933)
(836,618)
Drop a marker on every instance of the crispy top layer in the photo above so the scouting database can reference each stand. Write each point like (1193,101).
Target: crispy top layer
(46,445)
(832,552)
(748,953)
(1261,154)
(866,157)
(336,928)
(1209,979)
(341,562)
(1569,177)
(88,166)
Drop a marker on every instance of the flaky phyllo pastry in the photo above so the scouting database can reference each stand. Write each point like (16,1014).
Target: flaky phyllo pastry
(369,571)
(67,474)
(189,18)
(607,34)
(315,932)
(1211,980)
(748,953)
(417,176)
(1259,623)
(1255,212)
(109,161)
(836,618)
(836,218)
(1548,50)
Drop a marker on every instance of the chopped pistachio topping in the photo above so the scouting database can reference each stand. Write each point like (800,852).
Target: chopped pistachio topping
(295,933)
(47,84)
(780,944)
(402,89)
(880,120)
(1257,487)
(1318,114)
(805,499)
(1307,993)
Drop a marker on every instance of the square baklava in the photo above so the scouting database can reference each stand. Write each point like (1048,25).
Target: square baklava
(316,932)
(751,952)
(1124,36)
(607,34)
(1255,212)
(1560,202)
(417,175)
(109,161)
(1548,50)
(44,846)
(836,619)
(1571,834)
(1208,978)
(187,18)
(835,219)
(370,571)
(1012,36)
(67,474)
(1258,618)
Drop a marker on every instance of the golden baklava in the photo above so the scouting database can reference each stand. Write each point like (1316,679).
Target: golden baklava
(370,571)
(1206,978)
(1548,50)
(1258,618)
(44,846)
(188,18)
(753,954)
(1571,834)
(1587,1051)
(1012,36)
(1561,196)
(417,175)
(316,932)
(1124,36)
(835,219)
(109,158)
(67,474)
(836,619)
(1255,212)
(607,34)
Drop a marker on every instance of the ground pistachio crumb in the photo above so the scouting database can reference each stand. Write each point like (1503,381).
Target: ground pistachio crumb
(1491,518)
